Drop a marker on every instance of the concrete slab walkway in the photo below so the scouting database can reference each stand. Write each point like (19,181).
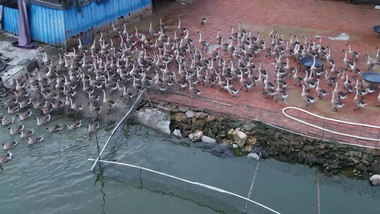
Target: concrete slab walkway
(16,59)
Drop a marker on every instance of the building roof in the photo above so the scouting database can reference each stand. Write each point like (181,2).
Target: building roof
(9,3)
(55,4)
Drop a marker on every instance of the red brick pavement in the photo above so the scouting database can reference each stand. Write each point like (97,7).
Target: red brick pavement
(301,17)
(272,116)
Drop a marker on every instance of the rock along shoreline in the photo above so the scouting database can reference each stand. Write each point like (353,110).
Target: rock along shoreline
(258,140)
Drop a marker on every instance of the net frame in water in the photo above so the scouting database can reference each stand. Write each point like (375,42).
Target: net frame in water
(216,189)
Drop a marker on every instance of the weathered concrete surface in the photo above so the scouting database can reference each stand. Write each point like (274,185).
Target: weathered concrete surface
(17,58)
(154,119)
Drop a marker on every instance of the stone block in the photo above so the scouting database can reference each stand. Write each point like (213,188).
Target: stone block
(206,139)
(375,180)
(200,115)
(177,133)
(183,109)
(196,136)
(238,137)
(190,114)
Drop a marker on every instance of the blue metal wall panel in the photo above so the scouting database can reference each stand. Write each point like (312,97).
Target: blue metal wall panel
(10,20)
(54,26)
(95,15)
(47,25)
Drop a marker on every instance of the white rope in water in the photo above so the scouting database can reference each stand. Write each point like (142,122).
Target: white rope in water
(116,127)
(335,120)
(253,183)
(319,196)
(186,181)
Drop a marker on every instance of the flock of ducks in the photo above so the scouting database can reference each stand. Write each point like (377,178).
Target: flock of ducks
(95,79)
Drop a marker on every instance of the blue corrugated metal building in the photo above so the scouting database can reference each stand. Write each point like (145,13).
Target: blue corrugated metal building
(55,23)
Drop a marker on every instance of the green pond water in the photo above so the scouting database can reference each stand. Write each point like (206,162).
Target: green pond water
(54,177)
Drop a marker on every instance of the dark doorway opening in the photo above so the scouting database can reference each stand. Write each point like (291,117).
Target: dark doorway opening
(158,4)
(9,3)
